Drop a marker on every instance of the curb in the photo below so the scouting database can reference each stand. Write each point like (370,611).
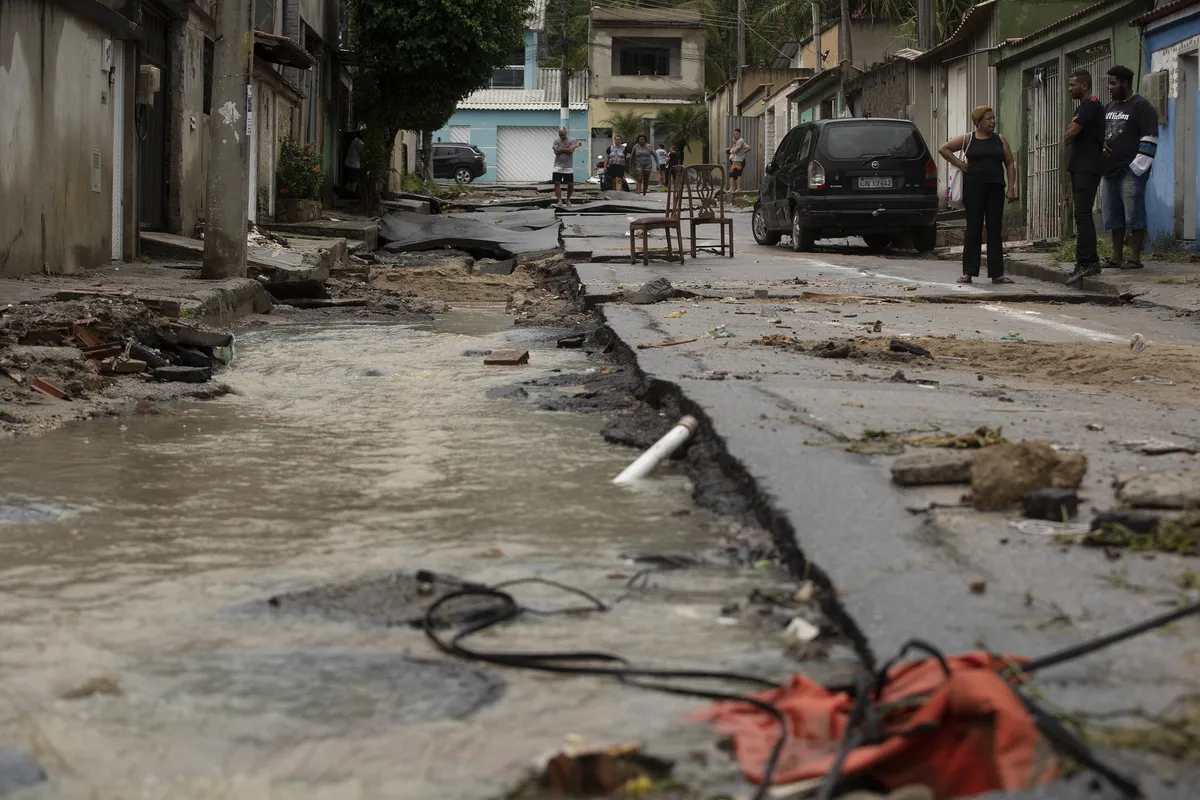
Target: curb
(221,305)
(1026,269)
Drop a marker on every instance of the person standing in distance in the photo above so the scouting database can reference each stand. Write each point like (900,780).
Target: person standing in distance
(1085,137)
(1130,144)
(614,162)
(737,160)
(642,159)
(660,155)
(988,160)
(564,165)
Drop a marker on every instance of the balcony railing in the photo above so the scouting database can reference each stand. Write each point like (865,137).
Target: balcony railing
(549,82)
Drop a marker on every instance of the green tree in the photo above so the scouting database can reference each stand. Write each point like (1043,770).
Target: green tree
(683,125)
(418,58)
(626,124)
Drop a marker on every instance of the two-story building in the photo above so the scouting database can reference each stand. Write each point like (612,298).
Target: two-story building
(643,60)
(515,119)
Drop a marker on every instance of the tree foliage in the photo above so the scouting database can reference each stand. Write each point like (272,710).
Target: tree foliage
(626,124)
(418,58)
(682,125)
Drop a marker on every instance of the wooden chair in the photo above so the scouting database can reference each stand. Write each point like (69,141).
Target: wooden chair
(671,221)
(706,199)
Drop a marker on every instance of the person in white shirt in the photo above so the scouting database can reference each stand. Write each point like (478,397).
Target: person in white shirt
(564,165)
(737,160)
(661,156)
(353,162)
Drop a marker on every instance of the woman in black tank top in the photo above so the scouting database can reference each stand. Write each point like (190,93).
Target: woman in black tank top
(988,160)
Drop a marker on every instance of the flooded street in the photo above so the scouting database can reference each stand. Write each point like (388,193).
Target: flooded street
(138,661)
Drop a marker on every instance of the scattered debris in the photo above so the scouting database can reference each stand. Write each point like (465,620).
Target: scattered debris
(877,327)
(676,314)
(1038,527)
(507,358)
(573,341)
(666,344)
(1178,488)
(477,352)
(1180,535)
(1138,343)
(720,332)
(50,388)
(580,770)
(978,586)
(1093,426)
(1004,473)
(99,684)
(1152,380)
(901,346)
(1157,447)
(982,436)
(920,469)
(182,374)
(1058,505)
(1136,521)
(832,349)
(802,630)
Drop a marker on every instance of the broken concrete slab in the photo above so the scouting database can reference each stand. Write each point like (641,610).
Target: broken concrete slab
(363,230)
(534,219)
(323,302)
(489,266)
(507,358)
(413,232)
(296,289)
(410,206)
(29,352)
(199,335)
(933,467)
(612,207)
(1175,488)
(1004,473)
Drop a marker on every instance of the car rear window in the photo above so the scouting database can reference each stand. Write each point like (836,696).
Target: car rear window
(853,140)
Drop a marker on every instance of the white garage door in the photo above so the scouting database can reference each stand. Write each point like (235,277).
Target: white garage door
(523,155)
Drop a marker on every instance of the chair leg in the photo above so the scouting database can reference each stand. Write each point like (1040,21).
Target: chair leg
(632,246)
(693,232)
(645,247)
(730,238)
(667,231)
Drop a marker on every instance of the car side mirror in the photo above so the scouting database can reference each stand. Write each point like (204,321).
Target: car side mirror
(771,168)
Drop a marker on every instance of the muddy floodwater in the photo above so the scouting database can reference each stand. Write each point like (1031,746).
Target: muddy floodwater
(131,667)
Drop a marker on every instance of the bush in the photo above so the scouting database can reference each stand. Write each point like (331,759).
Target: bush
(299,174)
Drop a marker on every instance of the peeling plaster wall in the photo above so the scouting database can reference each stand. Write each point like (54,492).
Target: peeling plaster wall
(56,112)
(188,126)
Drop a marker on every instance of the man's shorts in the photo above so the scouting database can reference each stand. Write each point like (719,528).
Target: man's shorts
(564,177)
(616,171)
(1123,197)
(735,171)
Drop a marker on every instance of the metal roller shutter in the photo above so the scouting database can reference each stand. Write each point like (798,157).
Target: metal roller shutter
(523,154)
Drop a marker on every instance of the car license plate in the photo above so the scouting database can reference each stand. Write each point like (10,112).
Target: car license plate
(874,183)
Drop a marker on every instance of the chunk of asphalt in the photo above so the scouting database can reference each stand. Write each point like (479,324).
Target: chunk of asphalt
(182,374)
(1173,488)
(653,291)
(1136,521)
(901,346)
(1056,505)
(573,341)
(154,358)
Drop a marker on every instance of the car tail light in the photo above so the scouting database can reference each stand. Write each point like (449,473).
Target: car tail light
(816,175)
(931,174)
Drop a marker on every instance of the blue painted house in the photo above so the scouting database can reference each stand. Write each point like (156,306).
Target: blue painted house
(515,120)
(1172,45)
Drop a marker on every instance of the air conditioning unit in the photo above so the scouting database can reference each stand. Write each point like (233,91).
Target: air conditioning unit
(149,82)
(1156,87)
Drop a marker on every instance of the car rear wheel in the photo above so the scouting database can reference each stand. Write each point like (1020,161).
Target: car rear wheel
(463,175)
(758,224)
(877,241)
(925,239)
(803,237)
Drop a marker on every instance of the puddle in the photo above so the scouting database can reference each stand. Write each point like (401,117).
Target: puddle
(351,452)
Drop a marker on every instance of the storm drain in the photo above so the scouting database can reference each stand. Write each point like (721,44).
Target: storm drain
(336,689)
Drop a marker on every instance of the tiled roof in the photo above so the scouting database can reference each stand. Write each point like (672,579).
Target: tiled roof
(514,100)
(973,21)
(1164,10)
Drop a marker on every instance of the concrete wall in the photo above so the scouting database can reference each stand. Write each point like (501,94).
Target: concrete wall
(187,125)
(483,124)
(56,113)
(688,85)
(1163,47)
(884,92)
(870,43)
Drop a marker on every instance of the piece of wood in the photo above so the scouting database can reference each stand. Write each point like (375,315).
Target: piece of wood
(507,358)
(665,344)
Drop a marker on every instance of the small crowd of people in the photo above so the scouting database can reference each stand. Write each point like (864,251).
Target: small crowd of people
(1112,149)
(641,158)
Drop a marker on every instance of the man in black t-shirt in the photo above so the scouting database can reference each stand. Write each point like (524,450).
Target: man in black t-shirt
(1085,136)
(1130,143)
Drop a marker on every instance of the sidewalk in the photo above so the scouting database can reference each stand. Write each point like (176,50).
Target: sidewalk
(1174,285)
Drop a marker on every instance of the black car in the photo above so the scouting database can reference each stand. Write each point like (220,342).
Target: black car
(461,162)
(873,178)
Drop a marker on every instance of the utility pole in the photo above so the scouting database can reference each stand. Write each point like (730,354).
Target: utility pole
(925,24)
(844,52)
(564,107)
(741,34)
(229,142)
(816,15)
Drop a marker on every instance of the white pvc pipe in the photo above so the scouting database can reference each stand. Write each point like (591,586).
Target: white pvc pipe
(659,451)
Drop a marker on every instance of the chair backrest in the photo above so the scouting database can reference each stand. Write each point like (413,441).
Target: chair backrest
(706,190)
(676,188)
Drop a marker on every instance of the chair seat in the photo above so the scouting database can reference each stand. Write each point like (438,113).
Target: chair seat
(644,221)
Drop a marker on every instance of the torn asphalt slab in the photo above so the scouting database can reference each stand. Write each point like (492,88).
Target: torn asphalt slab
(480,238)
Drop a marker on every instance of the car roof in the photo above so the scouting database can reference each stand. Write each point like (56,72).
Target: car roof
(843,120)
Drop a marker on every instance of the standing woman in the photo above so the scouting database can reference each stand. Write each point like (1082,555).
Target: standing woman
(988,160)
(643,163)
(614,163)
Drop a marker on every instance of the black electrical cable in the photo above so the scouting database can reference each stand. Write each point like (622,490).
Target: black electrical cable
(610,665)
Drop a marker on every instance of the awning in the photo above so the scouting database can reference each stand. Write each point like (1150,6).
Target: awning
(281,50)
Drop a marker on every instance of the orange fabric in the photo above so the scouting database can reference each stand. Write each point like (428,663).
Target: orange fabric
(962,736)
